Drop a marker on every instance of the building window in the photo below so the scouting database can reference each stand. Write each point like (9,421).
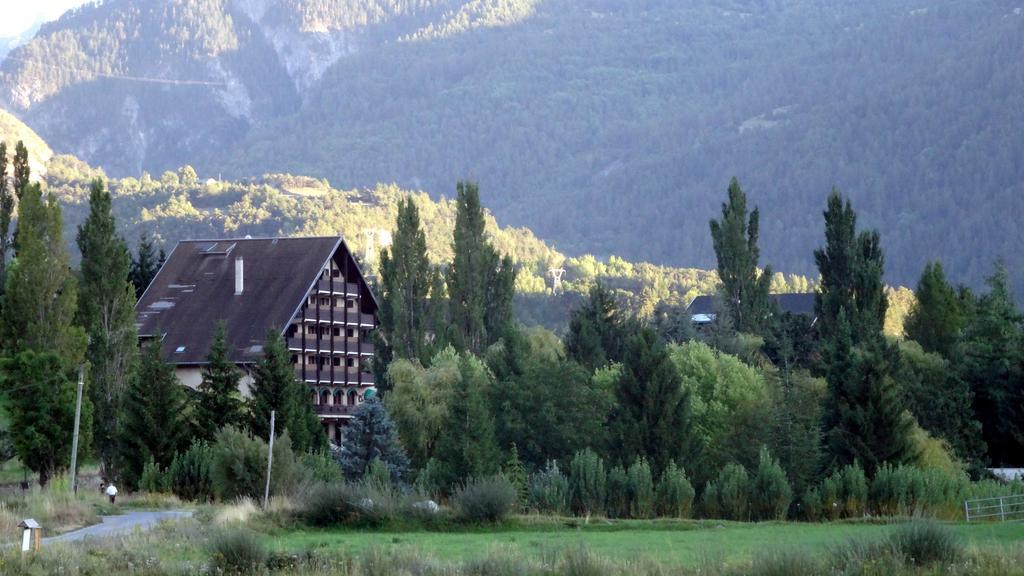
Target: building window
(295,359)
(337,362)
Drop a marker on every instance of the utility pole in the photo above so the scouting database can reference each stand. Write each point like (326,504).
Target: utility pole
(556,277)
(74,437)
(270,462)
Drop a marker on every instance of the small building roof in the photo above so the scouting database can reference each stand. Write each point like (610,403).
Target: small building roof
(29,523)
(796,303)
(195,289)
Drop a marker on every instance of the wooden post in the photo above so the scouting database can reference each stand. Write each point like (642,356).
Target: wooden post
(270,462)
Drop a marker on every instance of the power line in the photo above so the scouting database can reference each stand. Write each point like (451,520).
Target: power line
(149,79)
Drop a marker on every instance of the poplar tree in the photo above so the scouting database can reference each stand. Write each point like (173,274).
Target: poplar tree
(652,417)
(156,418)
(406,277)
(480,283)
(936,319)
(275,387)
(6,214)
(106,311)
(219,403)
(41,295)
(744,290)
(22,172)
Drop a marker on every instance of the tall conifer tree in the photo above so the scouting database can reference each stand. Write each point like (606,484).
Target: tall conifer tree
(275,388)
(145,266)
(219,402)
(652,418)
(744,289)
(156,418)
(22,172)
(106,311)
(936,319)
(467,447)
(597,330)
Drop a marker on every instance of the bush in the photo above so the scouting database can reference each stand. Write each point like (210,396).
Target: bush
(549,490)
(333,504)
(641,490)
(430,479)
(770,494)
(922,543)
(728,496)
(587,483)
(238,465)
(321,467)
(617,490)
(488,500)
(152,479)
(854,491)
(189,473)
(237,552)
(783,563)
(674,494)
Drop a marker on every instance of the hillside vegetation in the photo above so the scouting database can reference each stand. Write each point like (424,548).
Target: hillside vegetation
(606,126)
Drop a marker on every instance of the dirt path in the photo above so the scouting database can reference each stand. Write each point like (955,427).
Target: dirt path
(120,524)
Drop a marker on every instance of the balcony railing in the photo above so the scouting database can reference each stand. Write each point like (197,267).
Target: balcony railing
(341,376)
(323,344)
(333,409)
(346,288)
(352,319)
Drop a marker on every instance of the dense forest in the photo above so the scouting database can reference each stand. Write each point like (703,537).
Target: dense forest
(605,126)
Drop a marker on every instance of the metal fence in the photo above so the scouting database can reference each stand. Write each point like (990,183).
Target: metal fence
(1001,508)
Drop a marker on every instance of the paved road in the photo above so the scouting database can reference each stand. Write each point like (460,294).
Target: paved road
(120,524)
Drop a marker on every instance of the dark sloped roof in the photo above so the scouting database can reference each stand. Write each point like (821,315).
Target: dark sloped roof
(796,303)
(195,289)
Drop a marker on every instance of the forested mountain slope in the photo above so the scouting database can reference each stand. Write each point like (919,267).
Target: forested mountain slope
(607,126)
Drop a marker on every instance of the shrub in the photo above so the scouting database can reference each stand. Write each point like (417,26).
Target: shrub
(549,490)
(783,563)
(617,493)
(482,500)
(238,465)
(709,501)
(922,543)
(332,504)
(811,506)
(854,491)
(430,479)
(377,474)
(675,493)
(729,494)
(237,552)
(321,467)
(830,497)
(770,494)
(189,473)
(641,489)
(586,483)
(152,479)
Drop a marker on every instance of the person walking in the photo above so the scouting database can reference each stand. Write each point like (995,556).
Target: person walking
(111,492)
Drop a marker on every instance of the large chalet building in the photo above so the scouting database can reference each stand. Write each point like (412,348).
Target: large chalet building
(309,289)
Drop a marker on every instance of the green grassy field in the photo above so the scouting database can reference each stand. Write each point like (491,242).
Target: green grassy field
(679,543)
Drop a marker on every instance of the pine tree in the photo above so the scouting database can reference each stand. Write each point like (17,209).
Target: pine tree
(480,282)
(467,448)
(372,436)
(106,310)
(145,266)
(936,320)
(6,214)
(745,291)
(990,358)
(156,418)
(40,400)
(219,402)
(275,388)
(597,330)
(515,472)
(652,418)
(41,294)
(406,276)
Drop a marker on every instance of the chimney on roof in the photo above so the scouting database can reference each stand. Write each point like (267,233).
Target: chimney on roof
(239,281)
